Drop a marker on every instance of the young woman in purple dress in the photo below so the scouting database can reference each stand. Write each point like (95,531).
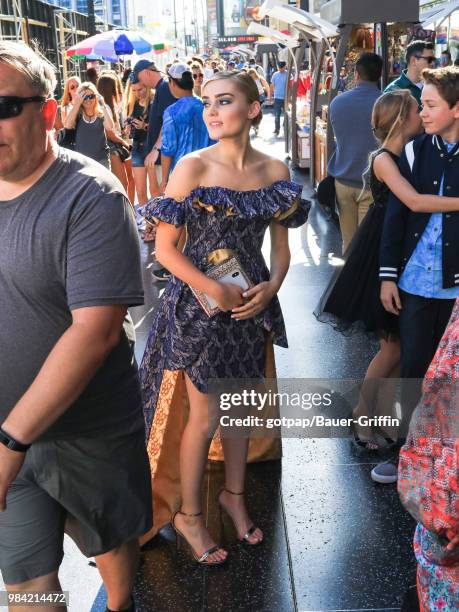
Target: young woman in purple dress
(226,196)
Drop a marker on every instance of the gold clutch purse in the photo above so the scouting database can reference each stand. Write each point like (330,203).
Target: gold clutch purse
(228,272)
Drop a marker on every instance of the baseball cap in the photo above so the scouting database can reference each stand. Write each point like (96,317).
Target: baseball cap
(231,63)
(282,64)
(141,65)
(176,71)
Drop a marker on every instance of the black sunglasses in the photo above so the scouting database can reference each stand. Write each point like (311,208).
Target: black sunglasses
(430,59)
(11,106)
(90,97)
(197,76)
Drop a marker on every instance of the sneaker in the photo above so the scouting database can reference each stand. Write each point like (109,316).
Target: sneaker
(385,473)
(139,219)
(161,274)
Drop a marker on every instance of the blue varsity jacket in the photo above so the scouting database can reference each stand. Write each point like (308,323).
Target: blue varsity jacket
(403,228)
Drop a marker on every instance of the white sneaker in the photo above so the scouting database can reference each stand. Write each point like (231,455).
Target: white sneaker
(139,219)
(385,473)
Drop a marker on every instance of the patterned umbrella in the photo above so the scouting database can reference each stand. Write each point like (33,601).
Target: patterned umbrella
(113,43)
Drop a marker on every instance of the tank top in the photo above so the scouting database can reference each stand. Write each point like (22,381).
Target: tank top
(139,112)
(380,191)
(91,140)
(261,91)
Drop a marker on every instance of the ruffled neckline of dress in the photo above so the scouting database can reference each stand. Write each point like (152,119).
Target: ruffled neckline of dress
(279,185)
(270,201)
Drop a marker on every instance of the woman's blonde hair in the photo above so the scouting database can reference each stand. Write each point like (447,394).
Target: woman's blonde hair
(389,112)
(66,97)
(245,84)
(93,89)
(129,98)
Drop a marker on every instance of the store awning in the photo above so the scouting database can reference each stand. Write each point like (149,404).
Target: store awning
(438,14)
(312,25)
(243,51)
(279,37)
(270,46)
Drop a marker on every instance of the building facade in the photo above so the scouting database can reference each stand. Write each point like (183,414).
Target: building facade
(106,11)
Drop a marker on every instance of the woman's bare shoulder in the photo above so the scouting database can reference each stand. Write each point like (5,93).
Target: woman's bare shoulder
(186,176)
(276,169)
(383,163)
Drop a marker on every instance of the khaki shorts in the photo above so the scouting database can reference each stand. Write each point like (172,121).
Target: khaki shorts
(97,490)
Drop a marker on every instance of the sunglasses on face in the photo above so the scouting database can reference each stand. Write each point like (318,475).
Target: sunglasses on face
(430,59)
(89,97)
(197,76)
(11,106)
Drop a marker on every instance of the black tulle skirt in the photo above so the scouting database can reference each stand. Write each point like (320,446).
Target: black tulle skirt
(351,302)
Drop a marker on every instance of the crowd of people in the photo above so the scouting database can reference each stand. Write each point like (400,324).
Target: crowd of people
(170,154)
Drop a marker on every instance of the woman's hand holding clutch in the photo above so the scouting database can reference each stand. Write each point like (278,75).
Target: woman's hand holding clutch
(228,296)
(258,299)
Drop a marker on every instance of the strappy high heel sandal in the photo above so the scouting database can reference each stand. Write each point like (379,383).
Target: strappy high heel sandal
(250,531)
(130,609)
(199,559)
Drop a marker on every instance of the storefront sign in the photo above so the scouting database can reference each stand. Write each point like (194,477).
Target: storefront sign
(225,41)
(238,14)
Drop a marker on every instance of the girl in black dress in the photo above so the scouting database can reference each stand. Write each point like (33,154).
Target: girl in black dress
(352,301)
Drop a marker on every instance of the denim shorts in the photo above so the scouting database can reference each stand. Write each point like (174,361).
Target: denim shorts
(138,154)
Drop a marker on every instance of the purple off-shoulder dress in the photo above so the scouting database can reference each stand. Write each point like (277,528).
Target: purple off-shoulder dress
(182,336)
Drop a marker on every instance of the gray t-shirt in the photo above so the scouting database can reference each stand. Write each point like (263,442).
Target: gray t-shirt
(68,242)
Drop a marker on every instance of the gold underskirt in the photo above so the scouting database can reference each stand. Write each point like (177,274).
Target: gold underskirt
(164,443)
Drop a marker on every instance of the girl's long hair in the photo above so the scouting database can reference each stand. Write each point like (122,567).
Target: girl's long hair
(108,89)
(129,98)
(389,112)
(66,97)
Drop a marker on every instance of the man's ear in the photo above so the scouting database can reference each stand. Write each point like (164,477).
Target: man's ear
(49,113)
(456,110)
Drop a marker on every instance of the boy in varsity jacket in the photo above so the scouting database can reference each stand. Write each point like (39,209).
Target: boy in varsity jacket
(419,256)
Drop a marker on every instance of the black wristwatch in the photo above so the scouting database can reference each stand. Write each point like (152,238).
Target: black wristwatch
(11,443)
